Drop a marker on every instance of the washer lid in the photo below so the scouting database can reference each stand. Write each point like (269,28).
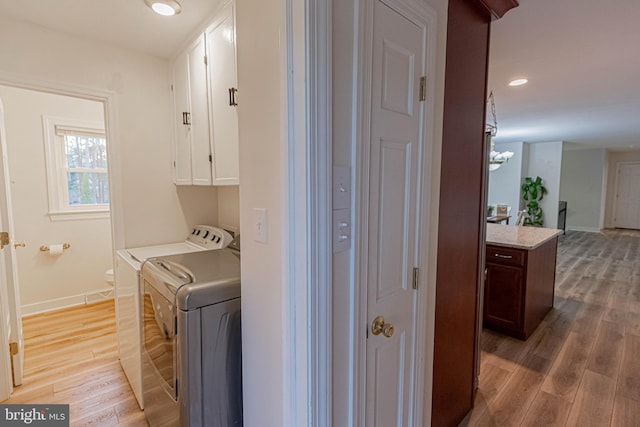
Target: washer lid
(144,253)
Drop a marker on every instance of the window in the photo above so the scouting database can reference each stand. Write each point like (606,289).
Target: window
(76,155)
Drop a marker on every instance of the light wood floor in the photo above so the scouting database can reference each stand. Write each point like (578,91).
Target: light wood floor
(581,367)
(71,357)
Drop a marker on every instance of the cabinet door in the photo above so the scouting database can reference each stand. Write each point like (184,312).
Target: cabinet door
(200,146)
(503,297)
(181,110)
(221,45)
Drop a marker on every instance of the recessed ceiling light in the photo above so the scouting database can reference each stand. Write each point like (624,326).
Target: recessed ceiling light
(518,82)
(164,7)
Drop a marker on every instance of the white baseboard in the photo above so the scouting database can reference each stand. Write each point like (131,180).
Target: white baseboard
(57,304)
(586,229)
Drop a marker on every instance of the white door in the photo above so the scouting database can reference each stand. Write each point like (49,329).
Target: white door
(11,318)
(396,143)
(627,208)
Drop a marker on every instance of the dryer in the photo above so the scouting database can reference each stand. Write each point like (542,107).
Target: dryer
(127,295)
(192,353)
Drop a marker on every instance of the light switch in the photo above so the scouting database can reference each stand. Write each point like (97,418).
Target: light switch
(260,225)
(341,230)
(341,187)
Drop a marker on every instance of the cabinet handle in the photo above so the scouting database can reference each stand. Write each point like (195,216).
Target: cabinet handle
(504,256)
(186,118)
(232,97)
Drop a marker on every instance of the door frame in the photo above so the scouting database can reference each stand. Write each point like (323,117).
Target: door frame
(307,154)
(422,14)
(615,189)
(108,100)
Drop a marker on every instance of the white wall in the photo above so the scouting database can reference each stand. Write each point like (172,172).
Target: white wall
(545,161)
(260,118)
(504,182)
(148,209)
(229,207)
(613,158)
(80,270)
(582,187)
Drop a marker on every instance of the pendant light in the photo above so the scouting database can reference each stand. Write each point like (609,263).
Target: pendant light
(496,159)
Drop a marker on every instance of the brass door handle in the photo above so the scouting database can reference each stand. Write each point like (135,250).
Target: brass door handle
(379,327)
(20,245)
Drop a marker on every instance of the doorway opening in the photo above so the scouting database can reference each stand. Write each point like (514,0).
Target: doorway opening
(56,208)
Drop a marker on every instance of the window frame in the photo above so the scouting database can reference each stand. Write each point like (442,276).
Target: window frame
(55,159)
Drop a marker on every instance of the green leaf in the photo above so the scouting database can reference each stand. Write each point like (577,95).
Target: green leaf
(533,190)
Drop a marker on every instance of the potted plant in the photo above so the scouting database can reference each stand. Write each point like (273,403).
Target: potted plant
(489,210)
(532,192)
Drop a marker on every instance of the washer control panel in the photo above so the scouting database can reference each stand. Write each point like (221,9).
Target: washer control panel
(210,237)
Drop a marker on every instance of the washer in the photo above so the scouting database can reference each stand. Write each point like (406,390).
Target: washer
(192,353)
(127,285)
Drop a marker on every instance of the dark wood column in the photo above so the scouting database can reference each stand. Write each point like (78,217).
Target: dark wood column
(460,240)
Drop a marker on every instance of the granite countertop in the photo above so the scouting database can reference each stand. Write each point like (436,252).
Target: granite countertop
(519,237)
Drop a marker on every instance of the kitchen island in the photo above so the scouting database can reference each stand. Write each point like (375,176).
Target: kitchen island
(520,278)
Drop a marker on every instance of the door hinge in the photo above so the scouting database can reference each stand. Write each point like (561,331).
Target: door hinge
(423,88)
(174,163)
(4,239)
(171,88)
(366,331)
(210,158)
(206,62)
(416,272)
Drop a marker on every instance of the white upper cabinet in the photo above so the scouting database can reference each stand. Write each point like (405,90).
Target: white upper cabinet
(205,116)
(223,97)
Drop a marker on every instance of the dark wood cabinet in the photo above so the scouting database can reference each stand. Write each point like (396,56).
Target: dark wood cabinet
(462,210)
(519,288)
(503,292)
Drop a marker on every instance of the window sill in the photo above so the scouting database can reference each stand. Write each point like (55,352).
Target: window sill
(79,215)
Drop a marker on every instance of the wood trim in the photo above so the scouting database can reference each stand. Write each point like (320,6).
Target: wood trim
(497,8)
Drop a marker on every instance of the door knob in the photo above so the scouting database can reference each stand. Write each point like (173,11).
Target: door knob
(379,327)
(20,245)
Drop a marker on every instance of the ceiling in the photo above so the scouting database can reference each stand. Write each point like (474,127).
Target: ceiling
(580,56)
(582,60)
(127,23)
